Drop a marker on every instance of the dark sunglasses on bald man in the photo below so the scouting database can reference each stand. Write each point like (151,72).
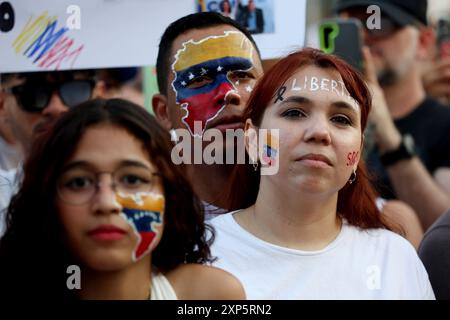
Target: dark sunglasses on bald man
(35,96)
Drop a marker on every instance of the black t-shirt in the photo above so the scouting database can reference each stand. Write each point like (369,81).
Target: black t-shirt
(429,124)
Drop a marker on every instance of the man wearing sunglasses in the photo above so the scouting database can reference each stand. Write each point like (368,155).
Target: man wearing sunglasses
(412,156)
(30,102)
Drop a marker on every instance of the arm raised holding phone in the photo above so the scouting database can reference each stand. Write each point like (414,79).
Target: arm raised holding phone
(436,76)
(409,177)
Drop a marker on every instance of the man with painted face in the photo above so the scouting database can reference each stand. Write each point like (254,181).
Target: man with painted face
(207,67)
(30,102)
(412,158)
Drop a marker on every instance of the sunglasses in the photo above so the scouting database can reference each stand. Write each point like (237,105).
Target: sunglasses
(35,97)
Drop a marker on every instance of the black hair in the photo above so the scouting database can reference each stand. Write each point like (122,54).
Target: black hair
(5,77)
(46,75)
(199,20)
(32,251)
(114,78)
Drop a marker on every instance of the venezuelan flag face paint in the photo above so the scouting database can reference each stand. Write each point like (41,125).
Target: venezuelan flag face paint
(202,75)
(270,150)
(144,212)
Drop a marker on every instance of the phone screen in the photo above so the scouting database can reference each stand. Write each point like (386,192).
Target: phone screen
(342,37)
(443,35)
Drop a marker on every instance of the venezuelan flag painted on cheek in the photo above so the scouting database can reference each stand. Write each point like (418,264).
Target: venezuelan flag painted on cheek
(144,212)
(270,150)
(212,58)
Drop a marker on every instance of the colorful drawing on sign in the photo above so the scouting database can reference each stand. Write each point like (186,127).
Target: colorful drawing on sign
(270,150)
(45,44)
(201,73)
(144,212)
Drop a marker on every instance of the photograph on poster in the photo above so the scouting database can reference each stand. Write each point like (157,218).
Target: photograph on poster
(256,15)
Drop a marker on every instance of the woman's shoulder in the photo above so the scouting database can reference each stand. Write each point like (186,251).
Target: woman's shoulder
(381,237)
(387,247)
(201,282)
(225,218)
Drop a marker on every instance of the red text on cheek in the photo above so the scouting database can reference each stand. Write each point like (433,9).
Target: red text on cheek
(352,157)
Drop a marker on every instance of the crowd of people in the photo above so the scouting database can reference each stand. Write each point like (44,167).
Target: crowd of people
(87,177)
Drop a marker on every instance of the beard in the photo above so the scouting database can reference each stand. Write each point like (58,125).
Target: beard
(386,73)
(387,77)
(393,72)
(43,126)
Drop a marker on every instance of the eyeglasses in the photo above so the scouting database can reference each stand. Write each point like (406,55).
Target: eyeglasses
(35,97)
(78,186)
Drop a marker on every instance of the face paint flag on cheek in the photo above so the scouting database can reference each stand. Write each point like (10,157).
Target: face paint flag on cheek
(201,68)
(270,150)
(144,212)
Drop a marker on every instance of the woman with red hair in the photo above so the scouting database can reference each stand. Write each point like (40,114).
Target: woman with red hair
(310,228)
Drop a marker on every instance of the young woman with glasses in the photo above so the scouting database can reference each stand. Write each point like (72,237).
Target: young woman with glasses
(101,193)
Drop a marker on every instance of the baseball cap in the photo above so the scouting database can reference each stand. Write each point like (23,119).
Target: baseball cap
(410,12)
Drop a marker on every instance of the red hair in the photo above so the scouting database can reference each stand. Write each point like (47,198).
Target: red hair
(356,201)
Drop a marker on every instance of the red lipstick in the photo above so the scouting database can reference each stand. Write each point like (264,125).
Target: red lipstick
(107,233)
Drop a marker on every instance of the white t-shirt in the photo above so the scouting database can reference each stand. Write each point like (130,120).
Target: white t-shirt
(211,211)
(358,264)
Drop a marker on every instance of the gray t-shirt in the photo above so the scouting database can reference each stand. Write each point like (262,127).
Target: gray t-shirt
(435,254)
